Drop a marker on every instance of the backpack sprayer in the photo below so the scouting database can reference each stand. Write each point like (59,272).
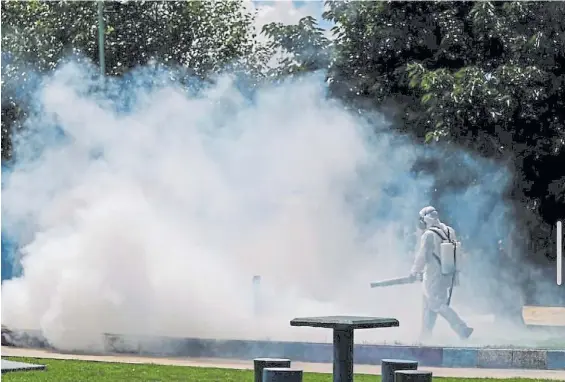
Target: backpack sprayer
(447,258)
(396,281)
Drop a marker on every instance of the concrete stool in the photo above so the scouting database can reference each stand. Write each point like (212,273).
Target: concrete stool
(282,374)
(260,363)
(389,366)
(412,376)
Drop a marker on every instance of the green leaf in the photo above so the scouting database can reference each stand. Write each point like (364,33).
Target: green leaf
(427,97)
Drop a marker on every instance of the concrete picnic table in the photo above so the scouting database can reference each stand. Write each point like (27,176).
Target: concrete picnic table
(343,327)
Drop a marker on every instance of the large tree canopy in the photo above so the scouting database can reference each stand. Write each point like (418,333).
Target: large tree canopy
(201,36)
(486,76)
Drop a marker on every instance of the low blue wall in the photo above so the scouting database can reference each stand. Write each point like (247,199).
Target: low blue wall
(540,359)
(491,358)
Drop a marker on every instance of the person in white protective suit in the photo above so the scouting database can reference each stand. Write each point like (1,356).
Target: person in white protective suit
(436,265)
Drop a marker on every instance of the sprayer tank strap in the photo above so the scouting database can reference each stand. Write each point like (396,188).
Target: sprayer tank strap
(441,234)
(438,231)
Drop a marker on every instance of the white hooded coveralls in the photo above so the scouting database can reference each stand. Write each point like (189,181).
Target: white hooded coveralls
(436,285)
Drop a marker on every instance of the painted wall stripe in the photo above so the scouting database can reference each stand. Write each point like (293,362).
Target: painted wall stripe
(459,357)
(556,359)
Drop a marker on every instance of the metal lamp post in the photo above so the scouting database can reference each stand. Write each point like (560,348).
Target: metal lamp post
(101,38)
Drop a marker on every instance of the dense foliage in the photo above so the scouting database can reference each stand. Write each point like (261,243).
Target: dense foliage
(486,76)
(201,36)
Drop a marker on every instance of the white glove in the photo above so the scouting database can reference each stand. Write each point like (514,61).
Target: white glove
(417,276)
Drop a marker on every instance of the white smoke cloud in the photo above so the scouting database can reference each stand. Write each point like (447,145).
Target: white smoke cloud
(155,220)
(150,212)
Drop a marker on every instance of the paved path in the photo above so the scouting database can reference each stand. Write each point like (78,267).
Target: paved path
(310,367)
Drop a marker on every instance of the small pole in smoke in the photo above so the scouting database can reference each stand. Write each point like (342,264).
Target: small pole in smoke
(101,57)
(256,284)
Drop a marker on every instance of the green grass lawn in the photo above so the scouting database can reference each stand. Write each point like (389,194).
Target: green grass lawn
(79,371)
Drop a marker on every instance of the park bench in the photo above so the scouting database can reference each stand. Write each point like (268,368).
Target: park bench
(544,315)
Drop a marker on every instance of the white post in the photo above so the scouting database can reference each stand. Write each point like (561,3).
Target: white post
(257,306)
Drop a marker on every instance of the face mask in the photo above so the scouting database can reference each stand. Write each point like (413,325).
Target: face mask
(422,223)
